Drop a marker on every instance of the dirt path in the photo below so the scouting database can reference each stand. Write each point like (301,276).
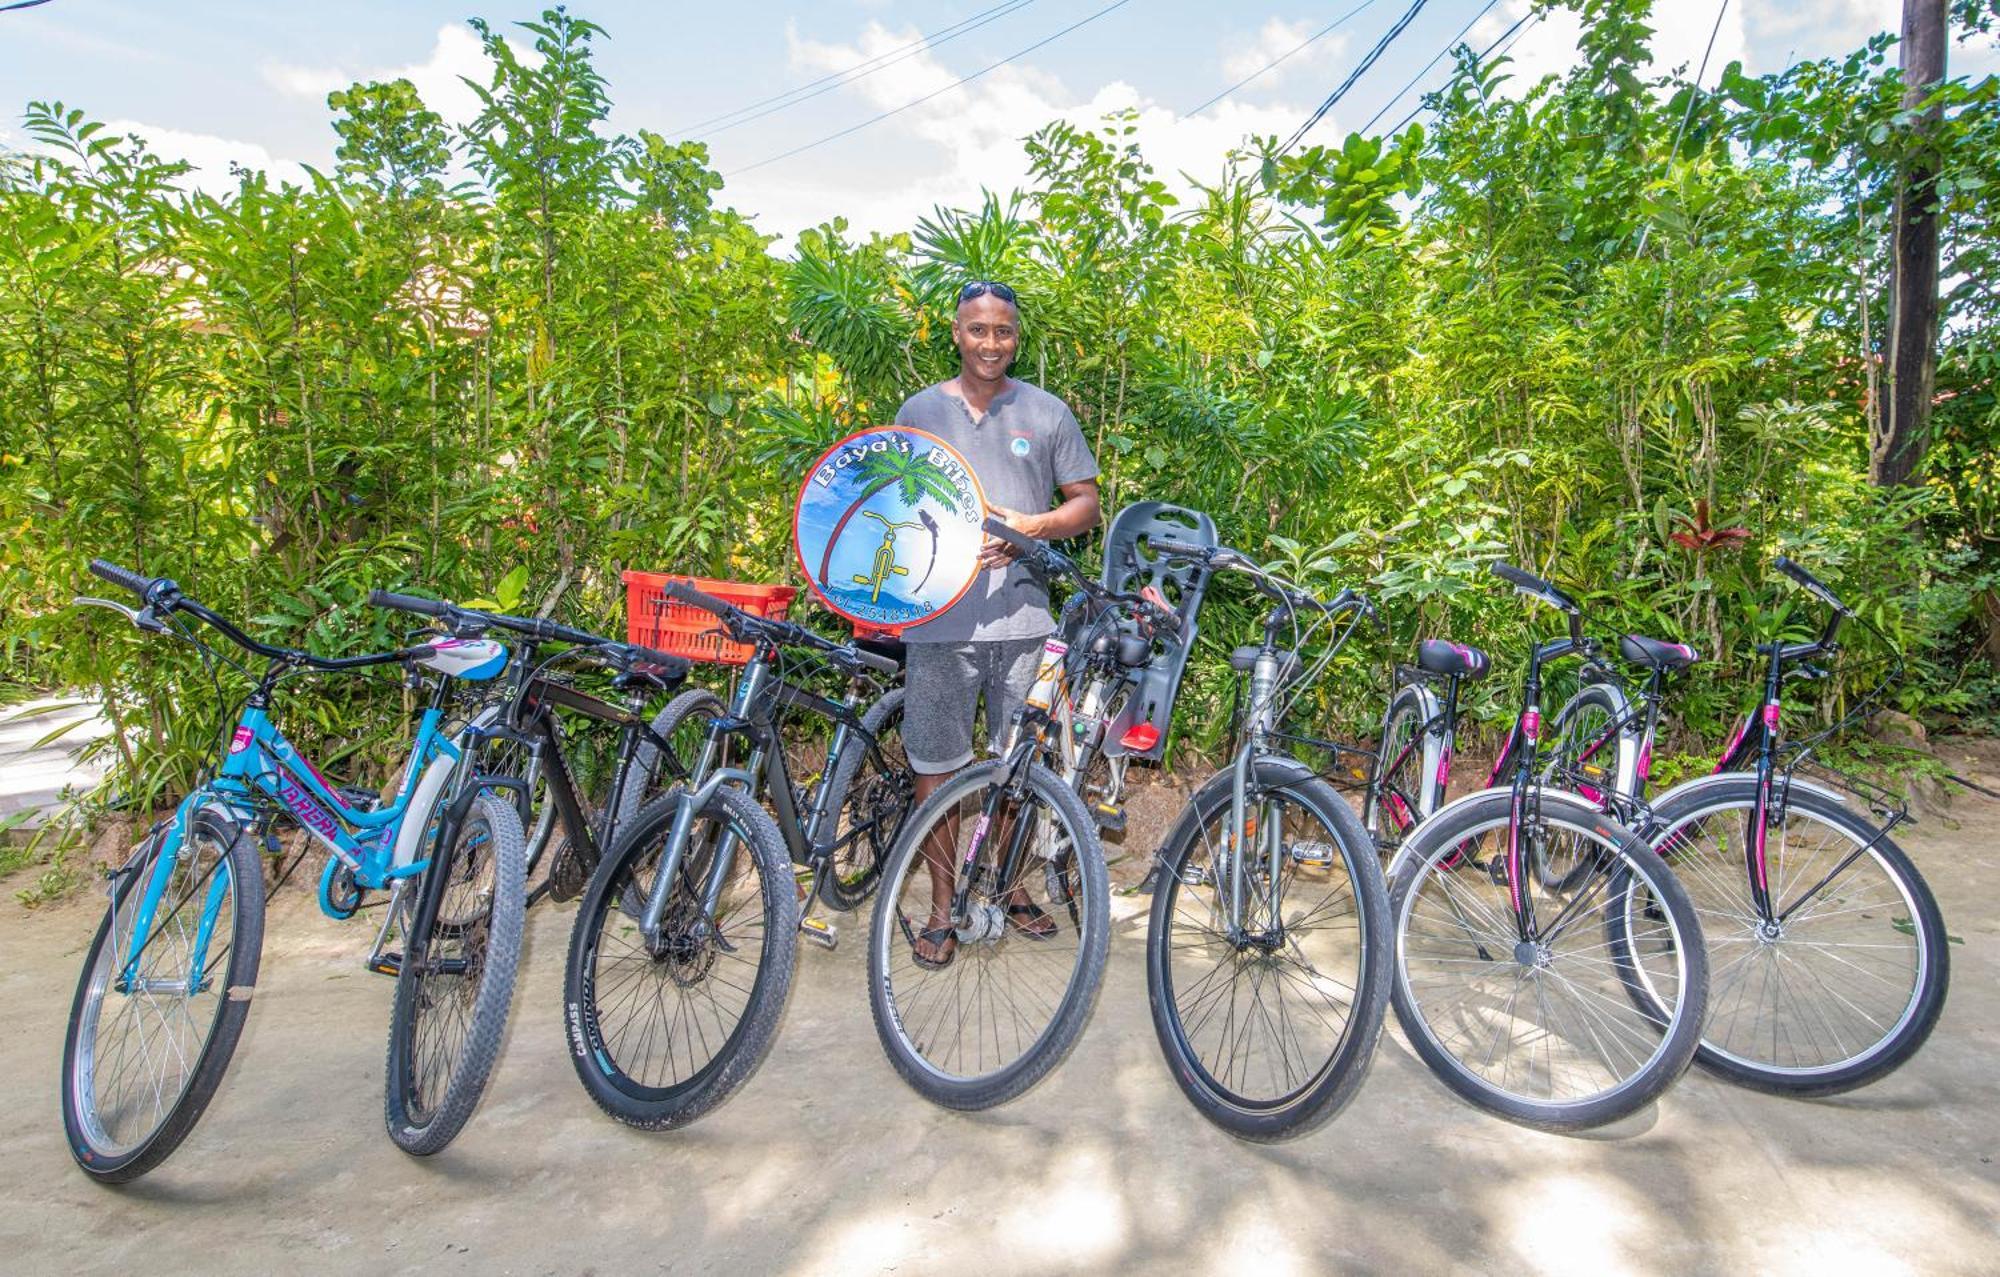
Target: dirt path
(827,1163)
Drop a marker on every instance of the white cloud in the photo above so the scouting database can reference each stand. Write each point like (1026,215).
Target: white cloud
(455,53)
(1273,41)
(210,155)
(946,150)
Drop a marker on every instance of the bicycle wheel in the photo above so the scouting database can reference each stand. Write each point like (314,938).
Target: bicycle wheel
(873,800)
(662,1032)
(1847,984)
(1023,973)
(683,724)
(456,979)
(1582,759)
(1403,794)
(1270,1033)
(145,1051)
(1541,1031)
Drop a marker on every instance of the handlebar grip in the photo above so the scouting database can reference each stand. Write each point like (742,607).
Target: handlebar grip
(1811,584)
(1177,549)
(880,664)
(126,577)
(685,593)
(407,603)
(1529,583)
(1019,540)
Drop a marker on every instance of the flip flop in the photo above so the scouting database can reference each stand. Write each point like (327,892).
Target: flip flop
(934,936)
(1035,917)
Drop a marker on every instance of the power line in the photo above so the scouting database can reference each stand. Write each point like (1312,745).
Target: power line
(1694,91)
(935,93)
(1300,47)
(1387,39)
(1425,70)
(1508,36)
(859,71)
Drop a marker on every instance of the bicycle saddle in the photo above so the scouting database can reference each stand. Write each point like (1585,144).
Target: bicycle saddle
(1657,654)
(1244,657)
(1442,656)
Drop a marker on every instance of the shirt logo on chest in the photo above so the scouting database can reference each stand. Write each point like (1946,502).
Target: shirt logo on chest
(1019,445)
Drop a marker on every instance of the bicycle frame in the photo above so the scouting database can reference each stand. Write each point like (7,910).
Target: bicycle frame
(263,773)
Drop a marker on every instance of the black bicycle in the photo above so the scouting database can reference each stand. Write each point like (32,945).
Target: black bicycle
(667,1015)
(1000,874)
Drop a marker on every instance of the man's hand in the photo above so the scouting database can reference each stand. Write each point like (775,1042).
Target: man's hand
(995,553)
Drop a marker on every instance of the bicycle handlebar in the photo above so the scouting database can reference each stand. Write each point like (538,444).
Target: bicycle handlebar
(535,627)
(1055,560)
(1536,588)
(740,622)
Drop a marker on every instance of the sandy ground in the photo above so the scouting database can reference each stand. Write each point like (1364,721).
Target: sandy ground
(827,1163)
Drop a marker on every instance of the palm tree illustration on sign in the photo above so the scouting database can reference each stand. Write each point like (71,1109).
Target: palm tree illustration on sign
(885,557)
(917,477)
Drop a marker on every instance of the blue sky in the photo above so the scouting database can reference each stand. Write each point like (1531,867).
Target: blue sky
(214,81)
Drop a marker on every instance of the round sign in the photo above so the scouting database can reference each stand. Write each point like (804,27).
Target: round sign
(887,528)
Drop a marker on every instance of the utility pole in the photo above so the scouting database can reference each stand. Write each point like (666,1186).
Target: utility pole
(1897,437)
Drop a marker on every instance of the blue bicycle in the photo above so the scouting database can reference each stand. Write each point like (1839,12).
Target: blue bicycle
(167,982)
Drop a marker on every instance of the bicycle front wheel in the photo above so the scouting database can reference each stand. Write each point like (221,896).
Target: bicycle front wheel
(1845,982)
(1541,1030)
(1269,1022)
(1002,992)
(456,979)
(151,1036)
(663,1030)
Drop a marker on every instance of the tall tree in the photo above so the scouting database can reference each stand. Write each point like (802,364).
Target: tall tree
(1899,432)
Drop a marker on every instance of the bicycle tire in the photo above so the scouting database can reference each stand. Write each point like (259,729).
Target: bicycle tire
(893,993)
(642,784)
(1408,784)
(96,1151)
(609,1073)
(1735,951)
(847,886)
(1455,954)
(423,1117)
(1596,707)
(1328,1088)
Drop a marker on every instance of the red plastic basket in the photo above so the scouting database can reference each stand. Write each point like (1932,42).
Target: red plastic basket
(653,619)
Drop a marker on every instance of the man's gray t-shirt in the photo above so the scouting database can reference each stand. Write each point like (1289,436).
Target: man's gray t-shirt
(1026,446)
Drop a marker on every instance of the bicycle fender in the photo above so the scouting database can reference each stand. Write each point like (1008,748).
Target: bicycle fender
(1697,785)
(410,833)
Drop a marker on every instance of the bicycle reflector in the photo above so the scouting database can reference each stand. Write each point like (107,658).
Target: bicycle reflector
(1140,737)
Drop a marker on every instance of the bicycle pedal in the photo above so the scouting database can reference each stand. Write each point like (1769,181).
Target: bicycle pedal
(390,964)
(1110,817)
(820,932)
(1312,854)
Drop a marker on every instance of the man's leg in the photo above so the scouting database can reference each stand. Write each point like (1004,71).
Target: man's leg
(1010,668)
(941,682)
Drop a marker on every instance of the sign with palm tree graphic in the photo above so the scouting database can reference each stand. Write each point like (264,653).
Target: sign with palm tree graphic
(887,527)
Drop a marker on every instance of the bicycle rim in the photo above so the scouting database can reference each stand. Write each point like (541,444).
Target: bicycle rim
(662,1017)
(1548,1022)
(138,1048)
(998,1002)
(1838,981)
(1263,1017)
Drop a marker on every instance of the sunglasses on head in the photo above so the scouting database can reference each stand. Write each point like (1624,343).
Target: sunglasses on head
(982,287)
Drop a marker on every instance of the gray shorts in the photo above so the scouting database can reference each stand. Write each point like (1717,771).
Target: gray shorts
(943,683)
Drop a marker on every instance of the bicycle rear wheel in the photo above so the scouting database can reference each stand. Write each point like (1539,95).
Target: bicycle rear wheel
(149,1041)
(1402,793)
(1849,981)
(456,981)
(1583,754)
(982,1026)
(1541,1031)
(1270,1032)
(661,1032)
(873,801)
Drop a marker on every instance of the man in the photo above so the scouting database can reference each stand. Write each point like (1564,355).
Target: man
(1024,444)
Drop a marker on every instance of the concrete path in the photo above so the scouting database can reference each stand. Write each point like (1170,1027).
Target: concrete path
(827,1163)
(32,776)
